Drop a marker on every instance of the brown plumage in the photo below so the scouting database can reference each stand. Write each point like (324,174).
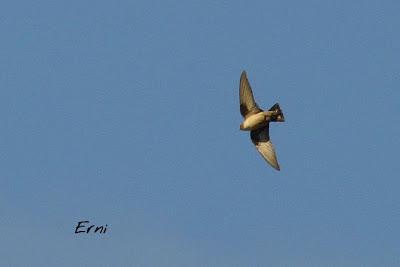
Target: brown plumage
(257,121)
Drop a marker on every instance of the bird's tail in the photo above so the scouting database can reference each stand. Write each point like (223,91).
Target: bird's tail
(279,116)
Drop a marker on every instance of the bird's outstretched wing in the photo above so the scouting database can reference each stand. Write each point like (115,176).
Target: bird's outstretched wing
(261,140)
(247,103)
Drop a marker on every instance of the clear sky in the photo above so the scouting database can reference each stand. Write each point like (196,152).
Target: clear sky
(126,113)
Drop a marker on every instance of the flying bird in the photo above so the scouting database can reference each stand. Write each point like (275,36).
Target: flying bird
(257,121)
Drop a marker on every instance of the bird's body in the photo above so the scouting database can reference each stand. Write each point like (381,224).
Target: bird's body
(257,121)
(254,122)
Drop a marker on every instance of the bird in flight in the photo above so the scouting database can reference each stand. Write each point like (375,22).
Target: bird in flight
(257,121)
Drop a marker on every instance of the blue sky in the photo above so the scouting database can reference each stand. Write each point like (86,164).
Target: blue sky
(126,113)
